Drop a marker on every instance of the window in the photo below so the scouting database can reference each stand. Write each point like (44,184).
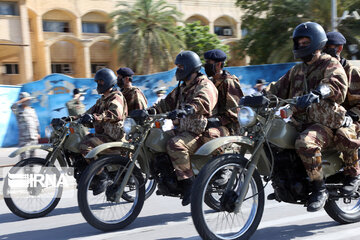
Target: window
(223,31)
(55,26)
(8,8)
(61,68)
(97,66)
(11,68)
(88,27)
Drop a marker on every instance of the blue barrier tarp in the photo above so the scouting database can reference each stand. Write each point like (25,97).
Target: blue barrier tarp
(52,92)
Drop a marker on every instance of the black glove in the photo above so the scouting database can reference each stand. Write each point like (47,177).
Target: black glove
(151,111)
(87,119)
(353,115)
(177,113)
(306,100)
(189,109)
(57,122)
(213,123)
(139,115)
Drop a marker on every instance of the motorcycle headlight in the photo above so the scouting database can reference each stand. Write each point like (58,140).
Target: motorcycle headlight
(129,124)
(246,117)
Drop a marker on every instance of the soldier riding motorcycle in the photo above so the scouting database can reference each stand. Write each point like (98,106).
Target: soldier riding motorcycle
(267,148)
(145,155)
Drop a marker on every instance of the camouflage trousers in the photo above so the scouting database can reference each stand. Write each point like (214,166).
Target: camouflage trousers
(317,137)
(27,142)
(347,142)
(184,144)
(91,141)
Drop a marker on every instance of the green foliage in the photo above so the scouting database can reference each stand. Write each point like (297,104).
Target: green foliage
(270,25)
(147,35)
(198,39)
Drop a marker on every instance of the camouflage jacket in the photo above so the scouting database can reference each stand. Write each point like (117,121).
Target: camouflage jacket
(230,93)
(109,113)
(28,122)
(201,93)
(352,101)
(75,107)
(135,98)
(303,78)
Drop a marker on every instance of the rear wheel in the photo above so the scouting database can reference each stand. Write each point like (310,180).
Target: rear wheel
(344,210)
(28,201)
(227,223)
(102,211)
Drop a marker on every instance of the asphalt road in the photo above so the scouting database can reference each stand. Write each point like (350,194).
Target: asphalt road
(164,218)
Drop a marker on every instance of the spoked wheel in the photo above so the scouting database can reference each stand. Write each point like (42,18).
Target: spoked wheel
(30,199)
(227,222)
(344,210)
(102,211)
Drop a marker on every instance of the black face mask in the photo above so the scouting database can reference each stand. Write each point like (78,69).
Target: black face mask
(180,75)
(331,52)
(307,58)
(120,82)
(210,69)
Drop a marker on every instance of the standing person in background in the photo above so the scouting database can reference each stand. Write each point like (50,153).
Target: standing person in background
(75,106)
(28,123)
(135,98)
(160,93)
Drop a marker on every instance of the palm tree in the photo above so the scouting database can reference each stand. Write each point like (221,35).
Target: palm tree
(147,37)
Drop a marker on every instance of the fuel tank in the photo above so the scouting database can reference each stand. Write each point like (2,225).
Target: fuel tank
(157,140)
(282,134)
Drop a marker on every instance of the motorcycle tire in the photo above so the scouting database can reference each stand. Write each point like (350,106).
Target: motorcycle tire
(208,228)
(85,196)
(12,204)
(343,213)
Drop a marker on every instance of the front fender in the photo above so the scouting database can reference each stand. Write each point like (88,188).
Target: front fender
(94,152)
(214,144)
(46,147)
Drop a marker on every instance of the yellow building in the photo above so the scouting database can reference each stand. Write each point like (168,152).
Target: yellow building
(40,37)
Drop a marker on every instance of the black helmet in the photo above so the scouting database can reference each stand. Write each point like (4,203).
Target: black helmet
(191,62)
(316,34)
(109,78)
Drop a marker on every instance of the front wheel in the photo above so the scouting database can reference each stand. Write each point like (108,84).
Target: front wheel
(227,223)
(27,200)
(102,211)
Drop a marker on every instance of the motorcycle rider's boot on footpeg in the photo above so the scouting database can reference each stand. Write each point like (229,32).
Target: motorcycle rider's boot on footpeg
(187,186)
(318,196)
(101,182)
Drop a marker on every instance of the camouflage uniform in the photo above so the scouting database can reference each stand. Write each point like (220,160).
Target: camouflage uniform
(109,113)
(75,107)
(28,125)
(347,138)
(314,136)
(135,98)
(230,94)
(202,95)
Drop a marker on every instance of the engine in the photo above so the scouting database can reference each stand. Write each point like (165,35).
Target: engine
(289,178)
(165,176)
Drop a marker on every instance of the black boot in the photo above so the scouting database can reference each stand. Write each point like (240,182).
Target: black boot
(351,184)
(318,196)
(187,186)
(100,183)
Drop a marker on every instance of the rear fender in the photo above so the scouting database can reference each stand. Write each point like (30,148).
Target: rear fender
(214,144)
(94,152)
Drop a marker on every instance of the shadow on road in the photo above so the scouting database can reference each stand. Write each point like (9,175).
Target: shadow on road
(82,229)
(292,231)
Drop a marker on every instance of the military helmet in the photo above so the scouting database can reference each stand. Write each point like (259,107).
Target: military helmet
(191,62)
(314,32)
(109,78)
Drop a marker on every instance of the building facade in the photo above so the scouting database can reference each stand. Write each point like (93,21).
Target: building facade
(40,37)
